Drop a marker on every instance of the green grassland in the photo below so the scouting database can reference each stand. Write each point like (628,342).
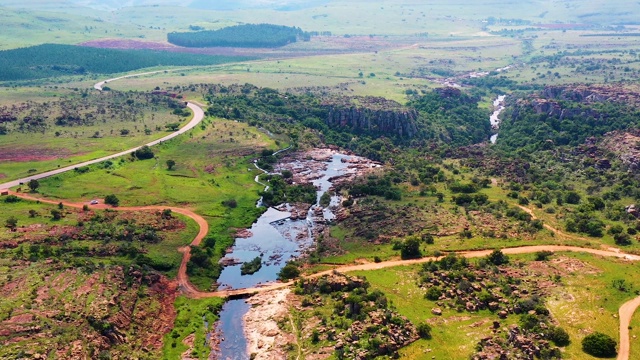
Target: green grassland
(33,27)
(578,308)
(190,319)
(392,69)
(212,165)
(35,150)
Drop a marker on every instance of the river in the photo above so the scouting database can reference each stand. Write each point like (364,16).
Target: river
(498,108)
(276,239)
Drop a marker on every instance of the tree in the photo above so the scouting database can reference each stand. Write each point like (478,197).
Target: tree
(33,184)
(498,258)
(144,153)
(33,213)
(11,223)
(170,164)
(111,200)
(599,345)
(410,248)
(289,271)
(572,197)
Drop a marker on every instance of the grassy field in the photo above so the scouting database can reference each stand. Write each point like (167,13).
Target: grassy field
(577,308)
(190,319)
(387,73)
(439,18)
(34,150)
(212,165)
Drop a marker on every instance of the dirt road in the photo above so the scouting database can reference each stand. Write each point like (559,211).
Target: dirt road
(182,278)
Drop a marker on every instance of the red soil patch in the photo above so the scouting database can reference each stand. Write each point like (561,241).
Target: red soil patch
(20,319)
(2,176)
(320,45)
(25,155)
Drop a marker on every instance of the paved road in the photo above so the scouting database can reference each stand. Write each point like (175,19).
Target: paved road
(99,85)
(198,115)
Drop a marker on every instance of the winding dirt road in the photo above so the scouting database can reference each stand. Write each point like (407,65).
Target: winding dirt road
(626,310)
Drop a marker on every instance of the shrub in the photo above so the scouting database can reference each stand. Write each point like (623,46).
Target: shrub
(251,267)
(498,258)
(433,293)
(56,214)
(289,271)
(11,199)
(543,255)
(111,200)
(622,239)
(428,239)
(559,336)
(232,203)
(144,153)
(424,330)
(599,345)
(410,248)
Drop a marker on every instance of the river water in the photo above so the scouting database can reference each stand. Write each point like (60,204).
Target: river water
(276,239)
(498,106)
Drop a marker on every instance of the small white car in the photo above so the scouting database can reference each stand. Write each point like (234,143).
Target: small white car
(94,202)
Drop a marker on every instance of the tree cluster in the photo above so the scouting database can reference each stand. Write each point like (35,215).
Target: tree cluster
(248,35)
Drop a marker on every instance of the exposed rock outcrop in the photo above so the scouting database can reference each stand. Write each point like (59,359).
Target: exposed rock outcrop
(372,114)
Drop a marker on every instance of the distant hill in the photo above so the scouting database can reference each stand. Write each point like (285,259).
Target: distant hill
(51,60)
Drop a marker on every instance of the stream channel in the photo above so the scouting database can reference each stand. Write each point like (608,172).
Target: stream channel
(276,239)
(498,107)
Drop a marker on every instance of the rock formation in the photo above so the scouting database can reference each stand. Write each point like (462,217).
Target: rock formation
(372,114)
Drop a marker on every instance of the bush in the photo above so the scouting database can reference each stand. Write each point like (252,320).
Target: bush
(424,330)
(433,293)
(410,248)
(56,214)
(428,239)
(11,199)
(543,255)
(288,272)
(498,258)
(232,203)
(111,200)
(559,336)
(251,267)
(144,153)
(622,239)
(599,345)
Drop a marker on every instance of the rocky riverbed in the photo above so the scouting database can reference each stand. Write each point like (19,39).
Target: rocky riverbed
(265,339)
